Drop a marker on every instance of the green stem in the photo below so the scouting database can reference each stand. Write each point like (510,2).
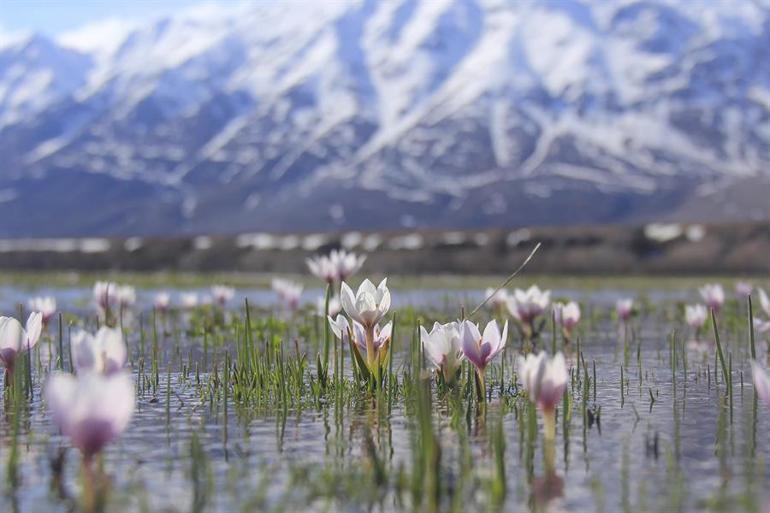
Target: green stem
(549,424)
(481,389)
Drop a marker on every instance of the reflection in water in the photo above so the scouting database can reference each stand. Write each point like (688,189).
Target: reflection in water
(550,486)
(545,492)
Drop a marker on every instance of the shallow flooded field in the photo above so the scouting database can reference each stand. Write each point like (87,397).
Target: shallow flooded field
(250,404)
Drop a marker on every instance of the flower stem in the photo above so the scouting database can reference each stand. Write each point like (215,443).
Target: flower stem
(370,356)
(481,389)
(549,457)
(549,424)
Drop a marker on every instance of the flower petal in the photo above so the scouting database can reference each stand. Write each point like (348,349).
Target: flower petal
(761,382)
(84,356)
(366,287)
(60,395)
(348,300)
(33,330)
(11,336)
(113,350)
(471,339)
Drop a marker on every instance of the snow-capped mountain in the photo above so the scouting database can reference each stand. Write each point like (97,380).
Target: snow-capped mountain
(309,116)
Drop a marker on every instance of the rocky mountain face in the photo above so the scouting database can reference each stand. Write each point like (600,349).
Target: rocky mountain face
(316,116)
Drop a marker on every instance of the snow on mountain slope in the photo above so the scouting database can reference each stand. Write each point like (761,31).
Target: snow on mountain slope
(35,73)
(466,112)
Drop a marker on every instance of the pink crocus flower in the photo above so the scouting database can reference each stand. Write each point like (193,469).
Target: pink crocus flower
(105,352)
(15,339)
(380,340)
(713,295)
(526,305)
(46,305)
(743,289)
(480,349)
(91,409)
(624,308)
(545,380)
(567,315)
(162,301)
(222,294)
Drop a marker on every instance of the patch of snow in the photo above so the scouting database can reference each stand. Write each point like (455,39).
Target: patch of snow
(663,232)
(202,243)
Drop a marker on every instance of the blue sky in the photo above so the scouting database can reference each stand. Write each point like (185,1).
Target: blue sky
(56,16)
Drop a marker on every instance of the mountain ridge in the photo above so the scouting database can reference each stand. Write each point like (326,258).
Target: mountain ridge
(446,112)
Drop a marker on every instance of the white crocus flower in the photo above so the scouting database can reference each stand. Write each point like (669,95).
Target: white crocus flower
(289,293)
(91,409)
(105,294)
(338,265)
(340,327)
(322,267)
(443,347)
(497,299)
(345,263)
(368,305)
(334,306)
(15,339)
(380,339)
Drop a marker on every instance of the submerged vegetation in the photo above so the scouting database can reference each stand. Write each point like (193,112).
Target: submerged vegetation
(178,401)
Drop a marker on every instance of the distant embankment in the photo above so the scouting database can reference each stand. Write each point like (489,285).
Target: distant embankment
(653,248)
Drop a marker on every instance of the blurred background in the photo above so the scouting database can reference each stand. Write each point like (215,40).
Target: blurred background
(435,135)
